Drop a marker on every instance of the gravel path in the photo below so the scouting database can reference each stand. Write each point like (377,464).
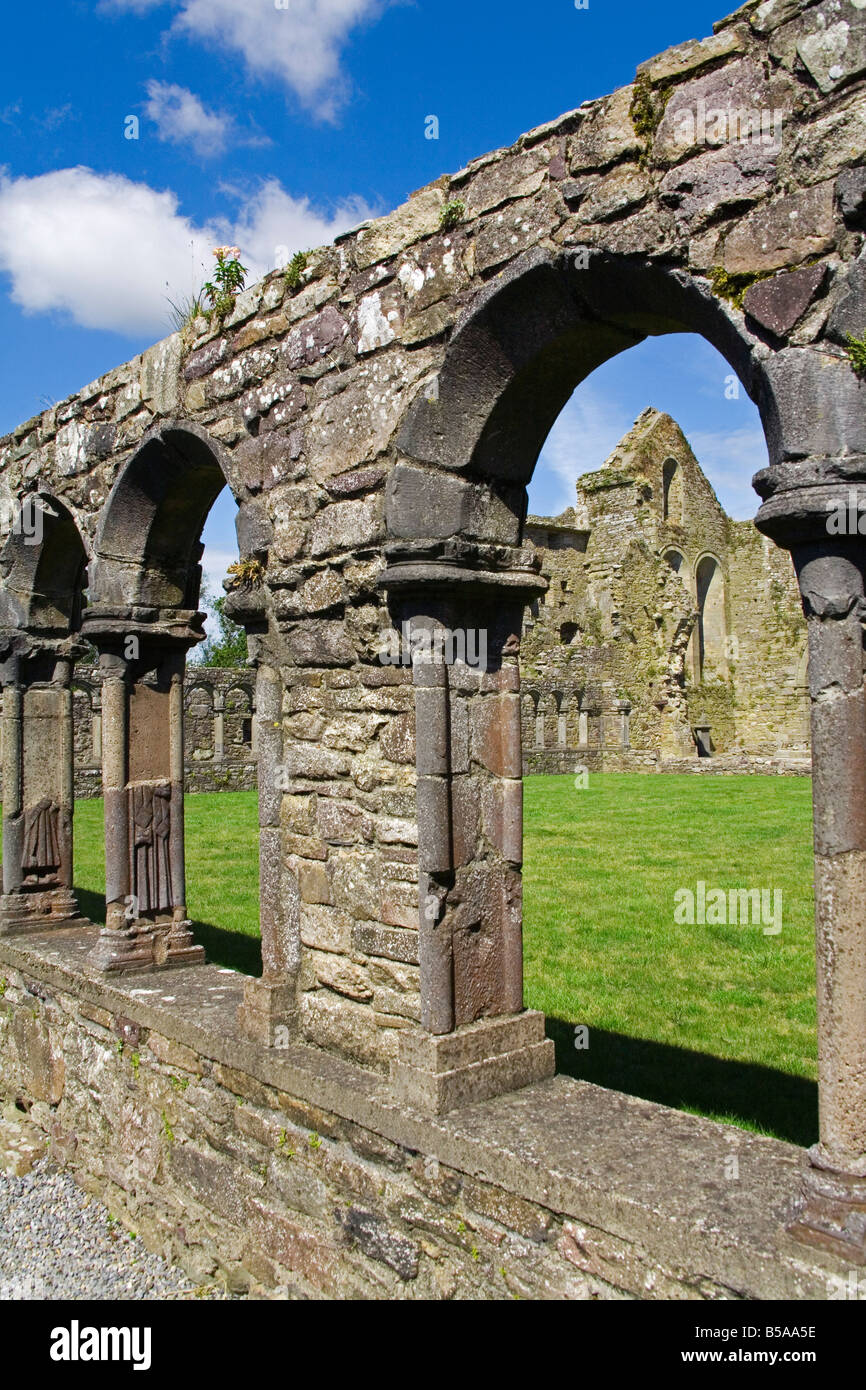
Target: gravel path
(56,1242)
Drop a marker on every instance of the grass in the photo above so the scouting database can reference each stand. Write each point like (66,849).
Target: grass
(715,1019)
(719,1020)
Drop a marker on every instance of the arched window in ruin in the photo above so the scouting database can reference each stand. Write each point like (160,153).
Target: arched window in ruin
(675,560)
(239,721)
(712,627)
(672,492)
(199,722)
(567,633)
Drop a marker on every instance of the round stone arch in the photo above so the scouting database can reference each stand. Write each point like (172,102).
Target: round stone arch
(146,550)
(143,619)
(514,359)
(43,568)
(42,582)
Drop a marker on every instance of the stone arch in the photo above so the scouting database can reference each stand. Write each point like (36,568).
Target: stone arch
(43,569)
(672,492)
(677,562)
(198,708)
(712,629)
(147,548)
(42,582)
(239,710)
(144,618)
(517,354)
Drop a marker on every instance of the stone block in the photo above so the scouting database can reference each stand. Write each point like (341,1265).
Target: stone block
(851,192)
(41,1068)
(417,218)
(496,734)
(783,233)
(606,134)
(372,1234)
(436,1074)
(326,928)
(848,315)
(311,1254)
(348,525)
(390,943)
(778,303)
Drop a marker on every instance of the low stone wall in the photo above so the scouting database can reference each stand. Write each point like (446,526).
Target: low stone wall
(796,763)
(288,1171)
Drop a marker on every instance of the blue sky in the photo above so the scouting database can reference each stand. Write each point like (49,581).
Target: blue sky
(276,124)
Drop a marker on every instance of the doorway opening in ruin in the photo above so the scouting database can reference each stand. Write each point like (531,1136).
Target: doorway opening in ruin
(179,740)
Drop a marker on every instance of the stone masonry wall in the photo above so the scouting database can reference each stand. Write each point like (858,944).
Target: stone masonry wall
(288,1173)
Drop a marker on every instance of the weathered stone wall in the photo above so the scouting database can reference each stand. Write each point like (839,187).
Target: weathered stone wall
(618,632)
(287,1173)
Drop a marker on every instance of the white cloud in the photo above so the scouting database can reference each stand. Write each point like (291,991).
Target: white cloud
(589,426)
(182,119)
(109,252)
(299,43)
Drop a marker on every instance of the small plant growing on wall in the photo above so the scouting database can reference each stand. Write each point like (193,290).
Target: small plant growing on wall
(245,574)
(227,283)
(295,269)
(856,351)
(451,214)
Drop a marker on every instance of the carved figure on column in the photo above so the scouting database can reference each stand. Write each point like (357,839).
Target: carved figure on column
(41,855)
(150,814)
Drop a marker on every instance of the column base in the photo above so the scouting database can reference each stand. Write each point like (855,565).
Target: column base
(831,1213)
(145,948)
(437,1073)
(49,907)
(267,1013)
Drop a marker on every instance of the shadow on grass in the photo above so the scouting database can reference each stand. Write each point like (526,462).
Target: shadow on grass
(772,1101)
(230,948)
(92,905)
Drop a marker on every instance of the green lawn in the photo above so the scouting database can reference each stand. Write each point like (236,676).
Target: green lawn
(715,1019)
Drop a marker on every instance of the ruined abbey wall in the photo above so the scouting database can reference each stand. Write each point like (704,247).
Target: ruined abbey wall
(614,673)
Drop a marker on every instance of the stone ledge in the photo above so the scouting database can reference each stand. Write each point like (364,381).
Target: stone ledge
(644,1174)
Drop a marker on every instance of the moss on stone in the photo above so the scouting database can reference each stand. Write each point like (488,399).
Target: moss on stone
(648,105)
(733,287)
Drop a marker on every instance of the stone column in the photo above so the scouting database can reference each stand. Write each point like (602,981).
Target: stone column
(38,796)
(269,1008)
(832,1212)
(624,710)
(475,1040)
(583,728)
(96,730)
(142,762)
